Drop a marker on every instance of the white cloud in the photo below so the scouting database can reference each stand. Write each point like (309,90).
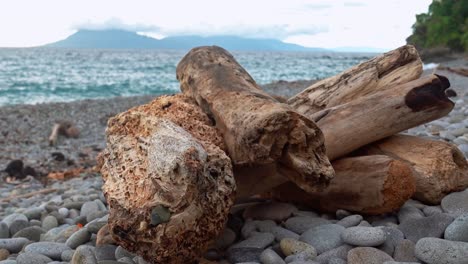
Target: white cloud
(322,23)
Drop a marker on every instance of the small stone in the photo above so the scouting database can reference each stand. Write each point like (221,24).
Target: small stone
(269,211)
(458,229)
(63,211)
(430,226)
(13,245)
(324,237)
(17,225)
(269,256)
(339,252)
(4,230)
(49,222)
(281,233)
(67,255)
(88,207)
(8,261)
(50,249)
(121,252)
(340,214)
(95,226)
(265,226)
(300,224)
(364,236)
(291,246)
(404,251)
(4,254)
(126,260)
(78,238)
(159,214)
(239,255)
(367,255)
(13,217)
(364,223)
(32,233)
(52,234)
(337,261)
(105,252)
(439,251)
(226,239)
(95,215)
(455,203)
(409,212)
(66,233)
(257,240)
(104,236)
(388,221)
(394,236)
(432,210)
(398,262)
(305,213)
(84,255)
(34,213)
(32,258)
(248,228)
(352,220)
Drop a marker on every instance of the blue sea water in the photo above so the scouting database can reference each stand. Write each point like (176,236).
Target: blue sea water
(38,75)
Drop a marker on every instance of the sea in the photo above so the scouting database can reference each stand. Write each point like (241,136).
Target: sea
(41,75)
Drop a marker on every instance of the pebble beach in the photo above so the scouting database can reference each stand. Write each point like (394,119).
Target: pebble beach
(65,220)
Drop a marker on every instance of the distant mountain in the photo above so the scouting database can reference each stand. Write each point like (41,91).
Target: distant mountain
(121,39)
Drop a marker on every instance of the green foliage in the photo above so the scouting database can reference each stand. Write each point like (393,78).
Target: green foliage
(445,25)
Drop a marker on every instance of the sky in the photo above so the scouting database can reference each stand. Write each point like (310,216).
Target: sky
(383,24)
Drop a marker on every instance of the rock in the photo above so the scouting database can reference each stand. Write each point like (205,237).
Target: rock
(126,260)
(32,258)
(49,222)
(337,261)
(458,229)
(431,210)
(269,211)
(364,236)
(397,262)
(404,251)
(409,212)
(340,214)
(63,211)
(4,254)
(226,239)
(73,205)
(300,224)
(430,226)
(104,237)
(257,240)
(455,203)
(364,223)
(439,251)
(13,245)
(121,252)
(324,237)
(265,226)
(78,238)
(52,234)
(301,257)
(95,215)
(4,230)
(15,169)
(291,246)
(13,217)
(105,252)
(50,249)
(8,261)
(352,220)
(282,233)
(66,233)
(248,228)
(367,255)
(32,233)
(84,255)
(67,255)
(239,255)
(95,226)
(305,213)
(339,252)
(34,213)
(269,256)
(88,208)
(18,225)
(394,236)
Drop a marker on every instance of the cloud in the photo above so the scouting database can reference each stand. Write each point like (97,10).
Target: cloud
(116,23)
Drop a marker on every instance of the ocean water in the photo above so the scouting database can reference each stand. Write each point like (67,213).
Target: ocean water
(38,75)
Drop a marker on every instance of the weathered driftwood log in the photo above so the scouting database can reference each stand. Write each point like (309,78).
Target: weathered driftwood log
(378,74)
(368,184)
(368,119)
(440,166)
(167,180)
(257,129)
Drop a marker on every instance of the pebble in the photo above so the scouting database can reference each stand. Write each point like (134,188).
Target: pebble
(49,222)
(8,261)
(291,246)
(364,223)
(394,236)
(88,208)
(404,251)
(299,257)
(458,229)
(121,252)
(95,226)
(4,254)
(34,213)
(324,237)
(337,261)
(50,249)
(364,236)
(66,233)
(339,252)
(63,211)
(430,226)
(265,226)
(67,255)
(17,225)
(105,252)
(455,203)
(367,255)
(32,233)
(32,258)
(226,239)
(4,230)
(78,238)
(269,211)
(126,260)
(439,251)
(269,256)
(352,220)
(300,224)
(431,210)
(13,245)
(282,233)
(84,254)
(236,255)
(340,214)
(257,240)
(409,212)
(13,217)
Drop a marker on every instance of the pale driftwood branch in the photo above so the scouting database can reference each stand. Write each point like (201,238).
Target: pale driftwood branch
(54,135)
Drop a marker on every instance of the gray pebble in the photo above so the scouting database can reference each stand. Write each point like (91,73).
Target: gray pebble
(105,252)
(256,240)
(458,229)
(340,214)
(281,233)
(78,238)
(13,245)
(364,236)
(32,233)
(352,220)
(265,226)
(88,208)
(367,255)
(121,252)
(339,252)
(18,225)
(269,256)
(49,222)
(431,226)
(4,230)
(404,251)
(63,211)
(269,211)
(34,213)
(306,213)
(455,203)
(291,246)
(32,258)
(8,261)
(95,226)
(394,236)
(364,223)
(12,217)
(337,261)
(300,224)
(126,260)
(84,255)
(324,237)
(226,239)
(398,262)
(67,255)
(431,210)
(95,215)
(236,255)
(299,257)
(50,249)
(73,205)
(439,251)
(409,212)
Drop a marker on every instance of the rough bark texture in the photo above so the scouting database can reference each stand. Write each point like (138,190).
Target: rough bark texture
(440,166)
(168,181)
(368,119)
(367,185)
(257,129)
(378,74)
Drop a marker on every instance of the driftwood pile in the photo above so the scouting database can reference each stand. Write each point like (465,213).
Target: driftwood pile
(174,167)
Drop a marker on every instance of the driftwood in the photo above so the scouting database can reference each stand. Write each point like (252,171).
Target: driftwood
(168,182)
(64,128)
(378,74)
(369,185)
(28,195)
(459,71)
(440,166)
(258,130)
(368,119)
